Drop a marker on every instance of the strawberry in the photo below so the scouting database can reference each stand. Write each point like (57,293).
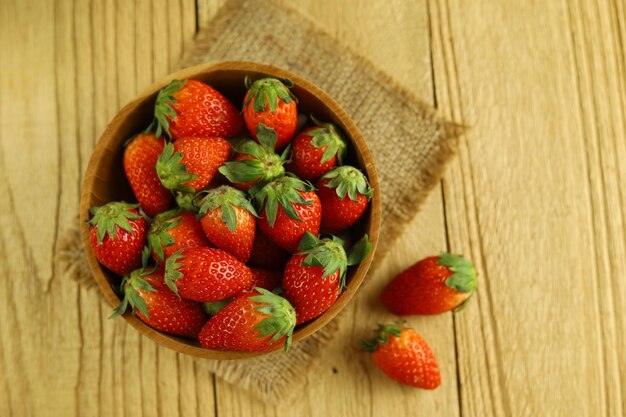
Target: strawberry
(193,108)
(431,286)
(265,278)
(316,150)
(190,163)
(153,302)
(140,157)
(289,210)
(173,230)
(261,278)
(227,218)
(255,162)
(344,193)
(117,234)
(267,254)
(269,101)
(206,274)
(403,355)
(251,322)
(316,275)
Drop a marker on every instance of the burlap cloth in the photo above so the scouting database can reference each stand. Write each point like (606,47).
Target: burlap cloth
(409,142)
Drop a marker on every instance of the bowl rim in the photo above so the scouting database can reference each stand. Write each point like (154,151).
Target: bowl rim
(352,132)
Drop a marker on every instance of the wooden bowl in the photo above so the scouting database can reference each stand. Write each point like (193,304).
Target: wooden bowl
(105,181)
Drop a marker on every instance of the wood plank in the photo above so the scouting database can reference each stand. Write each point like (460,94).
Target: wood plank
(525,199)
(76,64)
(364,390)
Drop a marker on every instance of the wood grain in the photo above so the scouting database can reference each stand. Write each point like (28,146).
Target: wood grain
(536,198)
(67,67)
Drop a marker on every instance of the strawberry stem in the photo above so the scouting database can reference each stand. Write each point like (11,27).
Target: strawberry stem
(381,336)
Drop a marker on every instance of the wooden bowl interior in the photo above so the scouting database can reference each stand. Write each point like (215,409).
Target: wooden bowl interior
(105,181)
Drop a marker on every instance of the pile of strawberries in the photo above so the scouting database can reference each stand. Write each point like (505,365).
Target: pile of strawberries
(223,244)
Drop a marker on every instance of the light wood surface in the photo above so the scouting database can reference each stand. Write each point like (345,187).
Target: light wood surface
(535,198)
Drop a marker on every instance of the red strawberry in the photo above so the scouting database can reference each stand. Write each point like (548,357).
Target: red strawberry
(290,209)
(190,164)
(173,230)
(265,278)
(316,151)
(117,235)
(267,254)
(270,102)
(255,162)
(431,286)
(140,157)
(262,278)
(228,221)
(193,108)
(316,275)
(153,302)
(206,274)
(403,355)
(252,322)
(344,193)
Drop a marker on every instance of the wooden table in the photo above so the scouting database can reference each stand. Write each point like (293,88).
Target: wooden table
(535,198)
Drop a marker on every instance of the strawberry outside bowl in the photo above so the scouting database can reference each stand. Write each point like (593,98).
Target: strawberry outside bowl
(105,181)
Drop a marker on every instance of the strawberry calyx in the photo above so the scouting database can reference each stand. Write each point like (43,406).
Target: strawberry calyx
(109,217)
(266,92)
(265,165)
(330,254)
(464,277)
(172,172)
(172,271)
(227,198)
(381,336)
(348,180)
(130,287)
(163,108)
(212,308)
(327,135)
(282,316)
(283,191)
(158,236)
(327,253)
(186,200)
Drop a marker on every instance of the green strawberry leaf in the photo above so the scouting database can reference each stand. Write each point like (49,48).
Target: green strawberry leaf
(464,277)
(163,110)
(281,318)
(327,253)
(267,136)
(226,198)
(130,286)
(172,271)
(158,236)
(284,191)
(266,92)
(213,308)
(172,172)
(108,218)
(381,336)
(308,241)
(348,180)
(359,251)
